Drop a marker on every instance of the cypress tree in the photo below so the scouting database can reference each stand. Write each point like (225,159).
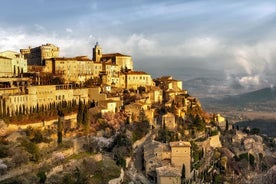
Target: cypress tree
(60,126)
(183,174)
(24,109)
(80,114)
(1,113)
(85,120)
(227,125)
(4,109)
(8,112)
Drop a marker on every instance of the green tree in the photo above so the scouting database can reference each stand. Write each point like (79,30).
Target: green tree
(60,126)
(255,131)
(183,171)
(227,125)
(68,179)
(38,136)
(42,176)
(80,114)
(32,148)
(120,160)
(85,121)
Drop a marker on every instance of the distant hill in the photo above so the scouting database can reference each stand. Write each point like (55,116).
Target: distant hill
(265,95)
(260,100)
(203,87)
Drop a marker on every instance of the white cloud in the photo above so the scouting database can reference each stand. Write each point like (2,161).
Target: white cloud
(248,67)
(200,47)
(39,27)
(249,81)
(68,30)
(15,40)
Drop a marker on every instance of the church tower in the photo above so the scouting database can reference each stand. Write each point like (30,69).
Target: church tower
(97,53)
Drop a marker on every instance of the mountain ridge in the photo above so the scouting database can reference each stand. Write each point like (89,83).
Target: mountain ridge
(259,100)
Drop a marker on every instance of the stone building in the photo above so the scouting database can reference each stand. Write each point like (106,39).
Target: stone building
(155,94)
(181,156)
(168,174)
(73,70)
(135,79)
(36,55)
(123,61)
(220,121)
(168,120)
(167,82)
(38,96)
(113,69)
(152,157)
(112,73)
(12,64)
(176,155)
(171,88)
(133,110)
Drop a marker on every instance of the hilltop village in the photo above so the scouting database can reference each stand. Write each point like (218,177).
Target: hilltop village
(98,120)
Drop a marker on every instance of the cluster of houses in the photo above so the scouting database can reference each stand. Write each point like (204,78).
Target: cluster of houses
(21,90)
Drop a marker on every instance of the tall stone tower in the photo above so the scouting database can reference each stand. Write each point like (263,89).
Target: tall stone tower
(97,53)
(181,156)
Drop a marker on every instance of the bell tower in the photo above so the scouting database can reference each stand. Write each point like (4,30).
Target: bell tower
(97,53)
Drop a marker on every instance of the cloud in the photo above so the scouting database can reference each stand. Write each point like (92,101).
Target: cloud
(246,64)
(68,30)
(39,27)
(69,46)
(250,81)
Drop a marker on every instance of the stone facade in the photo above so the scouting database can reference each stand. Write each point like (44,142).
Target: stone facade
(36,55)
(168,120)
(168,174)
(38,96)
(113,69)
(73,70)
(12,64)
(176,154)
(135,79)
(155,94)
(220,121)
(134,109)
(181,155)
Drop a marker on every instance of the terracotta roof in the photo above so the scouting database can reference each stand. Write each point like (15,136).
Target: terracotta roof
(78,58)
(4,57)
(109,62)
(113,55)
(137,73)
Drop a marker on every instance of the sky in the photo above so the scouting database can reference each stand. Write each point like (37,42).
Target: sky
(232,41)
